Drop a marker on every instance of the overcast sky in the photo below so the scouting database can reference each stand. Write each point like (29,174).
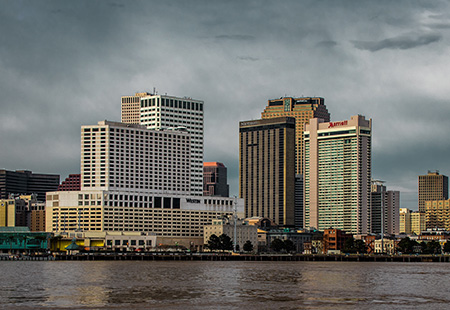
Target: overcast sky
(65,64)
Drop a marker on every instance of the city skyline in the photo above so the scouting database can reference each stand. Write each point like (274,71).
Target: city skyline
(68,64)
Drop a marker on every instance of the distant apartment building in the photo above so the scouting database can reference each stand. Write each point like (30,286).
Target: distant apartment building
(267,168)
(437,214)
(23,211)
(432,186)
(71,183)
(215,179)
(162,112)
(412,222)
(338,174)
(225,225)
(302,109)
(134,179)
(385,209)
(24,182)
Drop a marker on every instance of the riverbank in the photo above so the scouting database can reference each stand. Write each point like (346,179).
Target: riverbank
(228,257)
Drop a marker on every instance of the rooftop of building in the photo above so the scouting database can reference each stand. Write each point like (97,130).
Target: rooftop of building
(213,164)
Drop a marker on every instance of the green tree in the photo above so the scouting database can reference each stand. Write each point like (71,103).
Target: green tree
(349,246)
(213,243)
(248,246)
(288,245)
(277,245)
(360,246)
(447,247)
(225,242)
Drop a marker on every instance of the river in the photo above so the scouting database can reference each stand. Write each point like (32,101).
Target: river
(223,285)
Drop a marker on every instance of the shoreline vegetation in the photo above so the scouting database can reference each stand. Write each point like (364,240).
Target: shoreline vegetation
(229,257)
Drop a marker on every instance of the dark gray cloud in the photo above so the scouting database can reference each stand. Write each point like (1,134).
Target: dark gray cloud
(403,42)
(238,37)
(65,64)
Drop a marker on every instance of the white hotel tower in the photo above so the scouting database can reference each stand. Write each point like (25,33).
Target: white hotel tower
(135,179)
(338,174)
(162,112)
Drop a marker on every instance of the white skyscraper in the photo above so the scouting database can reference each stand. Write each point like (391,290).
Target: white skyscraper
(162,111)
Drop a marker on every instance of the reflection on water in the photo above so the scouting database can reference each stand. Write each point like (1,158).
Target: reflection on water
(223,285)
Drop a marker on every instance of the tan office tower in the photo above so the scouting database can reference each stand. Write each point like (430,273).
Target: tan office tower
(267,168)
(131,108)
(338,174)
(302,109)
(432,186)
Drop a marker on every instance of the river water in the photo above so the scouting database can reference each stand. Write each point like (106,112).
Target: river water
(223,285)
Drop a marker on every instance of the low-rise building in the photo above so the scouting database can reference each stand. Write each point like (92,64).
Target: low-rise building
(225,225)
(386,246)
(334,239)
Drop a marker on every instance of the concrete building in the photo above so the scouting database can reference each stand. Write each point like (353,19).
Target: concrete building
(130,112)
(405,221)
(71,183)
(432,186)
(215,179)
(23,211)
(302,109)
(161,111)
(338,174)
(418,222)
(437,214)
(267,168)
(225,225)
(385,210)
(25,182)
(136,180)
(386,246)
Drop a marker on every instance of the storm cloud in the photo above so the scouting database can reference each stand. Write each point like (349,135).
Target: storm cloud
(402,42)
(65,64)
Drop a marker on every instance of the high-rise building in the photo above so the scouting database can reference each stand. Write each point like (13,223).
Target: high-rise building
(27,182)
(71,183)
(134,179)
(432,186)
(385,209)
(437,214)
(338,174)
(418,222)
(298,202)
(215,179)
(405,221)
(161,112)
(131,108)
(267,168)
(302,109)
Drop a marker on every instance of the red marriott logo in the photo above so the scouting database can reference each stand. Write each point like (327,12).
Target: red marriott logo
(334,124)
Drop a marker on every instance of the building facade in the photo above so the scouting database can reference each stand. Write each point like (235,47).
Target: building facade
(302,109)
(25,182)
(71,183)
(162,111)
(432,186)
(215,179)
(130,112)
(385,210)
(267,168)
(134,179)
(437,214)
(338,174)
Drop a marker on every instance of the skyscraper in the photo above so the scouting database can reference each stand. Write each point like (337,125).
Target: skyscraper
(27,182)
(162,111)
(302,109)
(130,112)
(215,179)
(432,186)
(385,209)
(267,168)
(338,174)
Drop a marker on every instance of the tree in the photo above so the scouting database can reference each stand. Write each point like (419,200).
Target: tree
(225,242)
(349,246)
(288,245)
(447,247)
(360,246)
(248,246)
(213,243)
(277,245)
